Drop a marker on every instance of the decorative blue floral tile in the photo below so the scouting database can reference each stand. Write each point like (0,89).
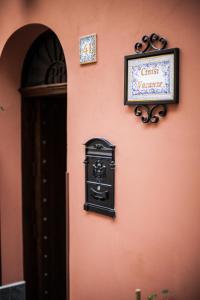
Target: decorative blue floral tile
(88,49)
(151,78)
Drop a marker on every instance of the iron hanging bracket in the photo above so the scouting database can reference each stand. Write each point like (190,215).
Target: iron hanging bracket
(150,113)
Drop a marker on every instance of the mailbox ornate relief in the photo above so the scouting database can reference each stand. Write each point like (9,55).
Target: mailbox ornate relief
(99,176)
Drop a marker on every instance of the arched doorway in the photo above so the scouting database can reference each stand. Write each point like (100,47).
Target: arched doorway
(43,89)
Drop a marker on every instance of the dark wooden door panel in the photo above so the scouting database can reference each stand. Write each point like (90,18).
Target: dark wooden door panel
(44,199)
(28,195)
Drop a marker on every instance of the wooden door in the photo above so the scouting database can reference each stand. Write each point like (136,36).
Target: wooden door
(44,197)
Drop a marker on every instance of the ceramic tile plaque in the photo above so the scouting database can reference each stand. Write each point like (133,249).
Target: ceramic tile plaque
(151,78)
(88,49)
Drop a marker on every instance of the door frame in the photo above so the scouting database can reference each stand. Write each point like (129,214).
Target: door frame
(44,90)
(49,90)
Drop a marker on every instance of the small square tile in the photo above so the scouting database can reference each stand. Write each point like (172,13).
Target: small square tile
(88,49)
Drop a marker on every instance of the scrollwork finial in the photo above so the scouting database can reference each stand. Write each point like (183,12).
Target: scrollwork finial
(151,114)
(149,43)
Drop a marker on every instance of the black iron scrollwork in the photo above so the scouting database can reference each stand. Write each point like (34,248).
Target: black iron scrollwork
(151,114)
(150,43)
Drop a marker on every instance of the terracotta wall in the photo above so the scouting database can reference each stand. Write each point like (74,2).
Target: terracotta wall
(154,241)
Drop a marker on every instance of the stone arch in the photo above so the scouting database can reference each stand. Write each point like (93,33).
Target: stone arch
(11,63)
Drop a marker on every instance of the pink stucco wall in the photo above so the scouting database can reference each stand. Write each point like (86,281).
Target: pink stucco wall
(154,242)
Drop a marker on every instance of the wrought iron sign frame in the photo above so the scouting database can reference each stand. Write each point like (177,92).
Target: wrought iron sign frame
(99,176)
(150,110)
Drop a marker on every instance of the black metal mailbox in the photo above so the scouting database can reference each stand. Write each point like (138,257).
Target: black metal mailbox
(99,176)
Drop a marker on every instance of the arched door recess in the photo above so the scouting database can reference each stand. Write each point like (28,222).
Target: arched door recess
(44,130)
(44,68)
